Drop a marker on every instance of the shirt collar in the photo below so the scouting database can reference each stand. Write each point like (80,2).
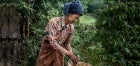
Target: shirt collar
(63,21)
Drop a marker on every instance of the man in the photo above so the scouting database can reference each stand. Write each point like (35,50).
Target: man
(56,41)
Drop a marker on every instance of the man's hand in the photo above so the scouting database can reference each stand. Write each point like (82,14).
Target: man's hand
(70,54)
(73,58)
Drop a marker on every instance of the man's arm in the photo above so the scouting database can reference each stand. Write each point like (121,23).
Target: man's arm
(67,43)
(68,47)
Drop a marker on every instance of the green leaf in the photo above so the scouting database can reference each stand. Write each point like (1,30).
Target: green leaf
(127,50)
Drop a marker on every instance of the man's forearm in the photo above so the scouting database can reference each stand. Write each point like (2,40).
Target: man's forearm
(61,49)
(68,47)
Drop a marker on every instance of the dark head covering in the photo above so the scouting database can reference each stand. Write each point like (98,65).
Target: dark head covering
(74,7)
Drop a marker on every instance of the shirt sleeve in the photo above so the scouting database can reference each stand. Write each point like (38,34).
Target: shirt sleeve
(52,30)
(69,39)
(68,43)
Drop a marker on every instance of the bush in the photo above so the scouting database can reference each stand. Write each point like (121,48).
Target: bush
(118,31)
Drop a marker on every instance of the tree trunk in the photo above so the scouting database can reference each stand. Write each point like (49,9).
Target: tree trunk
(10,36)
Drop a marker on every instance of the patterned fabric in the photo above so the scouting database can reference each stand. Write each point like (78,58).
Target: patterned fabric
(60,34)
(56,32)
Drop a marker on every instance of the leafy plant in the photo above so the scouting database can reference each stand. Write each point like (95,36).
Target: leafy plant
(118,32)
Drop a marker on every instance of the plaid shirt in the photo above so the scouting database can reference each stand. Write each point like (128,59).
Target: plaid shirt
(60,33)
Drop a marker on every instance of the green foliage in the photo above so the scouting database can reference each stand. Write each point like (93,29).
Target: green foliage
(38,20)
(94,5)
(118,31)
(83,44)
(87,20)
(37,14)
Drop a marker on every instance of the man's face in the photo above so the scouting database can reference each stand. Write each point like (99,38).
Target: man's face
(73,18)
